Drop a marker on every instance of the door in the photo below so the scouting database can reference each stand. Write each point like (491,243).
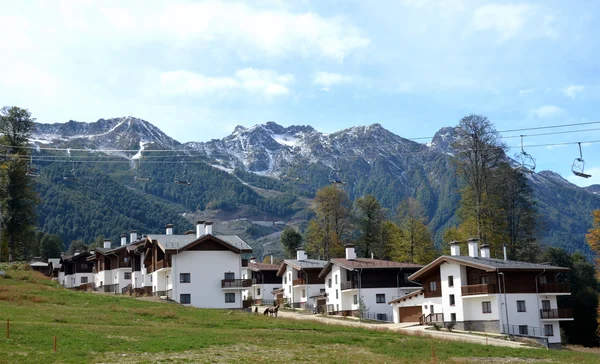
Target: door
(410,313)
(431,309)
(545,305)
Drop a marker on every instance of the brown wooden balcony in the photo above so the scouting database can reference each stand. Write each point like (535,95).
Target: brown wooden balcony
(298,282)
(349,285)
(556,313)
(160,264)
(554,288)
(475,289)
(236,283)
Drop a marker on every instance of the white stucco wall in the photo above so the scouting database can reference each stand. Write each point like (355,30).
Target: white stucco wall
(459,274)
(531,317)
(414,301)
(207,269)
(74,280)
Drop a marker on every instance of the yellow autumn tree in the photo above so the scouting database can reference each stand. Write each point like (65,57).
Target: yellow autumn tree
(593,240)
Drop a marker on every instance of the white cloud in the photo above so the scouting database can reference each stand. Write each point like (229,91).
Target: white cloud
(254,81)
(572,90)
(236,26)
(525,92)
(328,79)
(548,111)
(512,20)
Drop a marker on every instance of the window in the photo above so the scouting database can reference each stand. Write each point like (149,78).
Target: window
(126,260)
(406,275)
(381,317)
(258,291)
(484,280)
(185,277)
(337,295)
(380,298)
(84,279)
(450,281)
(453,317)
(127,275)
(432,286)
(229,297)
(289,289)
(543,279)
(452,303)
(185,298)
(230,276)
(83,265)
(523,330)
(303,293)
(355,298)
(486,307)
(290,276)
(545,305)
(521,306)
(150,278)
(329,282)
(335,279)
(322,290)
(548,330)
(284,279)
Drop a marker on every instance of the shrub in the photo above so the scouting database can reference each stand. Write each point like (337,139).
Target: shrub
(450,325)
(436,326)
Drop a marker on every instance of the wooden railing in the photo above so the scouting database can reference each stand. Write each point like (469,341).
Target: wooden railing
(431,318)
(298,281)
(236,283)
(349,285)
(478,289)
(554,288)
(160,264)
(556,313)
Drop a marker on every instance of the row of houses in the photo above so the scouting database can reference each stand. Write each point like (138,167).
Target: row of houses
(472,292)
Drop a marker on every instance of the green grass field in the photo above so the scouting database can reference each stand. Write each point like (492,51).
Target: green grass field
(102,328)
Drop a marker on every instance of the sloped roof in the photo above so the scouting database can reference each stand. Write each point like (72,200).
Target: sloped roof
(487,264)
(38,264)
(365,263)
(55,262)
(68,258)
(181,242)
(407,297)
(105,251)
(262,266)
(301,264)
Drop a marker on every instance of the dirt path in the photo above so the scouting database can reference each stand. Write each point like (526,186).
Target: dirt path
(408,329)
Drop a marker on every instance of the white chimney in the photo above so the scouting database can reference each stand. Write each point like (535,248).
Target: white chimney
(123,239)
(199,228)
(300,254)
(76,252)
(169,228)
(271,258)
(132,236)
(504,248)
(485,251)
(253,260)
(473,247)
(208,228)
(106,244)
(454,248)
(350,252)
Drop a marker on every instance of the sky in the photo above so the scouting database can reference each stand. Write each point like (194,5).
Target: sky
(196,69)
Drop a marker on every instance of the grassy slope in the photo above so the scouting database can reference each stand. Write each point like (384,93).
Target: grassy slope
(102,328)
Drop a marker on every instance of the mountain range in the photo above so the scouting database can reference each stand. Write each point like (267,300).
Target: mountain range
(266,172)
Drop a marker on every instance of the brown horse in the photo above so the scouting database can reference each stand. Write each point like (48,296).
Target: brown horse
(271,310)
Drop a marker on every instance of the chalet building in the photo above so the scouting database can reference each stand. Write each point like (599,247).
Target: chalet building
(350,280)
(54,267)
(264,281)
(480,293)
(300,279)
(75,270)
(201,269)
(113,266)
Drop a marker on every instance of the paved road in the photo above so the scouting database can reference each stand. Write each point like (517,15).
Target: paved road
(405,328)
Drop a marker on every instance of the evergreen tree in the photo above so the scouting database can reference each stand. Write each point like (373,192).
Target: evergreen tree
(77,245)
(291,240)
(18,197)
(331,224)
(370,217)
(51,246)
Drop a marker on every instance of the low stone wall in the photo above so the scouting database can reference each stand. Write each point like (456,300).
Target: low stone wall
(492,326)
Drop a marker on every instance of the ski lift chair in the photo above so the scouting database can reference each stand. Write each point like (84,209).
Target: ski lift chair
(70,176)
(180,181)
(141,179)
(32,170)
(578,166)
(335,179)
(526,161)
